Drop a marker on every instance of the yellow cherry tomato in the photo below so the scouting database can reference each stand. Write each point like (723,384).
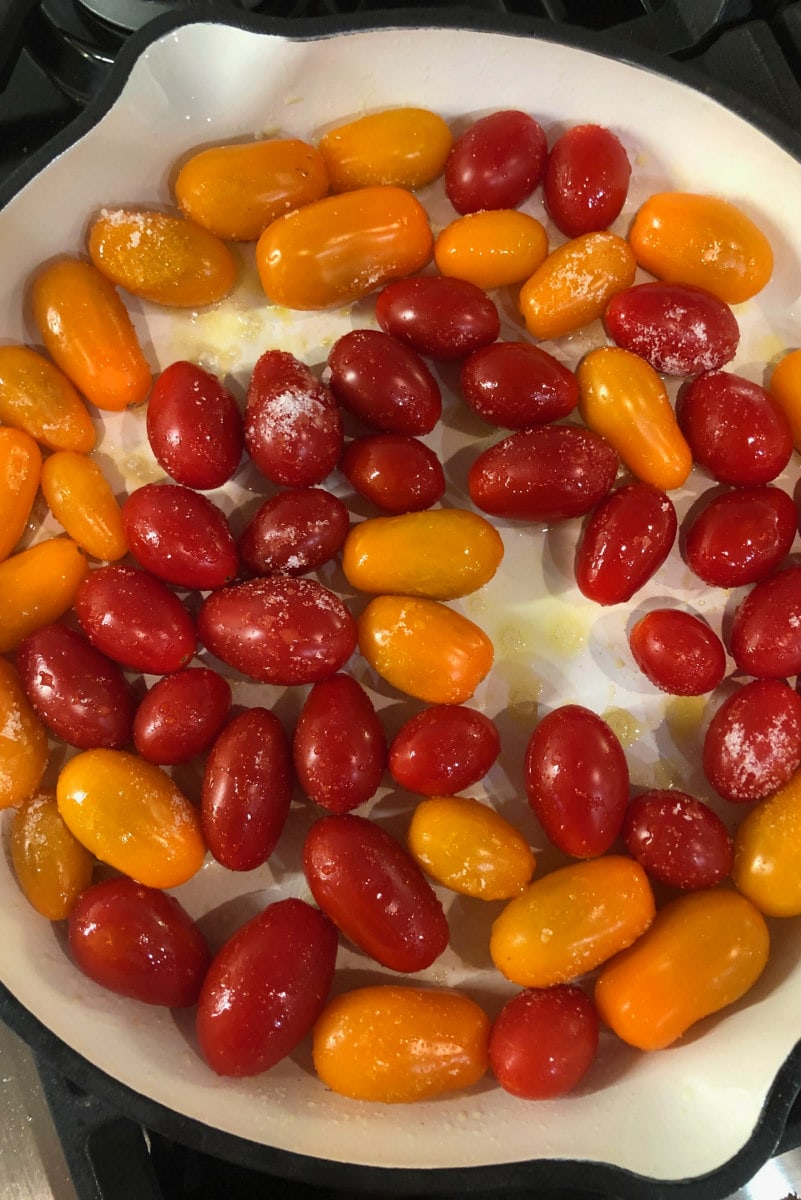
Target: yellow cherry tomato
(492,248)
(23,741)
(441,553)
(575,283)
(81,499)
(685,237)
(236,191)
(37,397)
(767,852)
(703,951)
(624,399)
(394,1044)
(785,388)
(20,472)
(52,867)
(37,586)
(131,815)
(423,648)
(401,147)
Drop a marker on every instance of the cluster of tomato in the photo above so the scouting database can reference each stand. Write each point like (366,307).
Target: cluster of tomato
(333,224)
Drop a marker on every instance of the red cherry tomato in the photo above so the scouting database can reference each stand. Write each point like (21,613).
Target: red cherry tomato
(678,652)
(735,429)
(180,536)
(516,385)
(438,316)
(577,780)
(194,427)
(741,536)
(295,531)
(544,1041)
(586,180)
(395,472)
(679,840)
(181,715)
(765,635)
(339,748)
(443,750)
(677,328)
(384,383)
(753,743)
(496,163)
(627,538)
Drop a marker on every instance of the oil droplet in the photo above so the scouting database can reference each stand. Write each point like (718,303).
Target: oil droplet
(684,717)
(623,724)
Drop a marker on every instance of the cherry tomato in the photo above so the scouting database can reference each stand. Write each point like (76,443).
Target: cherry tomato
(80,498)
(78,692)
(544,1041)
(393,1045)
(23,741)
(39,399)
(139,942)
(194,427)
(439,317)
(784,387)
(135,619)
(577,780)
(765,637)
(278,630)
(575,283)
(550,473)
(766,866)
(402,147)
(678,329)
(586,179)
(443,750)
(51,866)
(384,382)
(679,840)
(703,952)
(678,652)
(374,892)
(181,715)
(627,538)
(496,163)
(37,586)
(752,745)
(395,472)
(516,385)
(247,790)
(180,536)
(735,429)
(295,531)
(20,472)
(741,536)
(293,427)
(339,748)
(492,248)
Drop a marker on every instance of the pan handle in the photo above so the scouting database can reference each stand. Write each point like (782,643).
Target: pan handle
(14,16)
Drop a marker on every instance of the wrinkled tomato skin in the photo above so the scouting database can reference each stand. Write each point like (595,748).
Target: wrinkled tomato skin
(265,988)
(547,474)
(678,652)
(394,471)
(246,790)
(295,531)
(586,179)
(679,840)
(181,715)
(339,748)
(543,1041)
(80,694)
(437,316)
(180,536)
(374,891)
(627,538)
(139,942)
(496,163)
(752,745)
(735,429)
(384,383)
(194,427)
(741,536)
(765,638)
(516,385)
(678,329)
(443,750)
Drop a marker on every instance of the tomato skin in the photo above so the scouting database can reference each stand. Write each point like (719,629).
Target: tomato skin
(401,147)
(194,427)
(766,853)
(395,472)
(374,892)
(180,536)
(36,397)
(247,790)
(577,780)
(752,745)
(741,536)
(139,942)
(586,179)
(784,387)
(496,163)
(442,318)
(77,691)
(627,538)
(517,385)
(20,473)
(51,866)
(679,840)
(278,629)
(765,638)
(678,652)
(339,748)
(23,744)
(295,531)
(181,715)
(80,498)
(678,329)
(544,1041)
(735,429)
(703,952)
(265,988)
(492,248)
(384,383)
(574,284)
(550,473)
(443,750)
(37,586)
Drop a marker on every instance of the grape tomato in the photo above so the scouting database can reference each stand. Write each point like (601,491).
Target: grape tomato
(740,536)
(735,429)
(492,249)
(24,751)
(37,587)
(194,426)
(496,163)
(384,383)
(678,329)
(401,147)
(443,750)
(752,745)
(679,840)
(678,652)
(180,536)
(394,471)
(339,748)
(516,385)
(81,499)
(437,316)
(51,866)
(295,532)
(20,473)
(766,865)
(586,179)
(38,398)
(765,637)
(627,538)
(181,715)
(543,1041)
(574,284)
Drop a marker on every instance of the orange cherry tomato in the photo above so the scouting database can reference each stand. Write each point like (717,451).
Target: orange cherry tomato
(394,1044)
(131,815)
(20,472)
(440,553)
(338,249)
(572,920)
(785,388)
(87,330)
(37,397)
(424,648)
(492,248)
(767,852)
(236,191)
(575,283)
(37,586)
(703,951)
(23,741)
(51,866)
(401,147)
(162,258)
(684,237)
(470,848)
(624,399)
(81,499)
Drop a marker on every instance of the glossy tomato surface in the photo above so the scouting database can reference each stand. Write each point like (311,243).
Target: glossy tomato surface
(181,715)
(543,1041)
(384,382)
(586,179)
(740,536)
(443,750)
(295,531)
(516,385)
(678,329)
(678,839)
(339,748)
(627,538)
(678,652)
(194,426)
(736,430)
(437,316)
(496,163)
(752,745)
(765,637)
(180,536)
(394,471)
